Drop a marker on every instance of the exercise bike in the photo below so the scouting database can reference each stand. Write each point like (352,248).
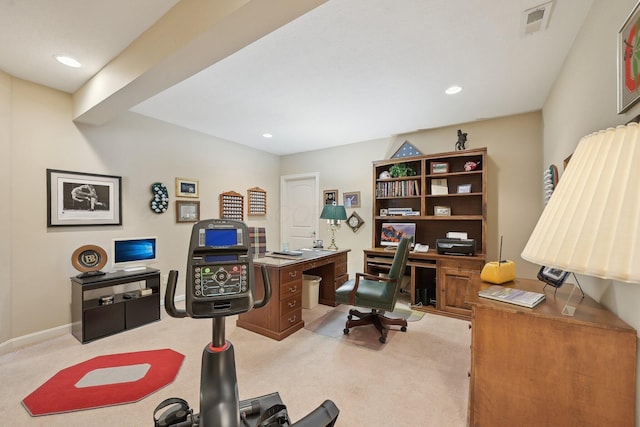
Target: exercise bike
(220,283)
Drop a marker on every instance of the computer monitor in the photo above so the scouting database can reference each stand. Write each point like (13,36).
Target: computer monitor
(132,254)
(392,232)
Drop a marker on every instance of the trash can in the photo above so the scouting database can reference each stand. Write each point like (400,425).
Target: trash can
(310,290)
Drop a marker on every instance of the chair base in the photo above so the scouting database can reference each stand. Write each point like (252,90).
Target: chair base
(376,318)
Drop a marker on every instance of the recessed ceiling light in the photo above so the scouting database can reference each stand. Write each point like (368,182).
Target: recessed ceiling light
(68,61)
(267,135)
(453,90)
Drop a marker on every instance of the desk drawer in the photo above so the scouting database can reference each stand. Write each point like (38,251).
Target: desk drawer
(291,304)
(288,320)
(463,264)
(291,274)
(290,289)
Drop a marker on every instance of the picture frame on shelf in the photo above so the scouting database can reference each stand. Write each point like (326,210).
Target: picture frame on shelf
(384,212)
(628,72)
(330,197)
(442,210)
(187,187)
(83,199)
(439,167)
(351,200)
(464,188)
(187,211)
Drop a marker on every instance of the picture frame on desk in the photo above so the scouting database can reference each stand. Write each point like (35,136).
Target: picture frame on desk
(83,199)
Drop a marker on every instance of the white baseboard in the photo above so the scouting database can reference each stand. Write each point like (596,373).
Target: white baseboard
(37,337)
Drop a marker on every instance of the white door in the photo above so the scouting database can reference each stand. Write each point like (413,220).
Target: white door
(299,210)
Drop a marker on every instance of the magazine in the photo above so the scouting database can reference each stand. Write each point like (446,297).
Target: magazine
(512,296)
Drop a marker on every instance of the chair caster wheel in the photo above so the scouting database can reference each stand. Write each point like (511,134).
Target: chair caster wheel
(382,340)
(349,317)
(403,329)
(345,331)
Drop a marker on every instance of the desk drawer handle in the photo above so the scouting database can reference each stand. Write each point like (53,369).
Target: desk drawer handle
(293,304)
(293,290)
(293,274)
(292,320)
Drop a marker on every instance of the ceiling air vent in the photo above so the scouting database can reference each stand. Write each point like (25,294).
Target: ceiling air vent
(536,18)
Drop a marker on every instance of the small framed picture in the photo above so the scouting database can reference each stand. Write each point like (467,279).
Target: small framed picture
(351,200)
(464,188)
(187,211)
(442,210)
(187,187)
(330,197)
(439,167)
(384,212)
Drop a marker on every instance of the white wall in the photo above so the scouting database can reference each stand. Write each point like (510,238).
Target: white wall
(140,150)
(5,208)
(583,100)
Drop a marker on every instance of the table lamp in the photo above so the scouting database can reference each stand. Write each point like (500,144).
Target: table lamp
(591,224)
(333,214)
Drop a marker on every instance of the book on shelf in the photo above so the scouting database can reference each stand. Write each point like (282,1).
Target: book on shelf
(512,296)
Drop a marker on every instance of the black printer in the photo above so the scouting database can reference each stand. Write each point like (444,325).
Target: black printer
(456,246)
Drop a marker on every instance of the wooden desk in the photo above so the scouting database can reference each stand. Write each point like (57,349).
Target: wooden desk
(539,367)
(283,315)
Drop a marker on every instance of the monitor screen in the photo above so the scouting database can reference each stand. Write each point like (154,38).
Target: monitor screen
(392,232)
(131,251)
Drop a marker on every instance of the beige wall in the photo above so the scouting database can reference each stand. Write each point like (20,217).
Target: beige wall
(140,150)
(514,189)
(5,208)
(583,100)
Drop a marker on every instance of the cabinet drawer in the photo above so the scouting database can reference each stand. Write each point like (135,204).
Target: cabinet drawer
(142,310)
(341,269)
(290,289)
(288,320)
(462,264)
(103,320)
(291,274)
(291,304)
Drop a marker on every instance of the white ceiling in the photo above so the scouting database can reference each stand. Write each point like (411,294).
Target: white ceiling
(347,71)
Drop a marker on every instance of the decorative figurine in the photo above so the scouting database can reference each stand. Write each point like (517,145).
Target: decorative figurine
(462,139)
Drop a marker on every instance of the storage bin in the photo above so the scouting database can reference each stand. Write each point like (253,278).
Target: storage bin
(310,290)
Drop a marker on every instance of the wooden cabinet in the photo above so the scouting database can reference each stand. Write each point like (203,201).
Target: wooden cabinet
(451,287)
(538,367)
(92,320)
(445,192)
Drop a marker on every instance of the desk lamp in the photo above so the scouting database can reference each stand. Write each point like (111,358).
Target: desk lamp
(333,214)
(591,224)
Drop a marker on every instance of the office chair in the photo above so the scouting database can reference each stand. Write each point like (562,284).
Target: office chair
(377,293)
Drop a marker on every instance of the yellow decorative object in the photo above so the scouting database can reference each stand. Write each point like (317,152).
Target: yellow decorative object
(498,272)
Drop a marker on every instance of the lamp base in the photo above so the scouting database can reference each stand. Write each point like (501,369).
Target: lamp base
(332,246)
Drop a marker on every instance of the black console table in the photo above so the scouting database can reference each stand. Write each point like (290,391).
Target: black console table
(92,319)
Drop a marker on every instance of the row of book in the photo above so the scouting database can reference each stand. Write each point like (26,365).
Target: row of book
(398,188)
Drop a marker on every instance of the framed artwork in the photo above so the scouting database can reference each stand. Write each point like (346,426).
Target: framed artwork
(439,167)
(464,188)
(330,197)
(81,199)
(187,211)
(187,187)
(351,200)
(629,61)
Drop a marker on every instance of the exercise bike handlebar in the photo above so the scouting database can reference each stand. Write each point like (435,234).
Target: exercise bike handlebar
(169,295)
(266,281)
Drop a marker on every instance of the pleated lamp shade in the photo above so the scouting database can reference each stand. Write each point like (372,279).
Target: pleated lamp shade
(591,224)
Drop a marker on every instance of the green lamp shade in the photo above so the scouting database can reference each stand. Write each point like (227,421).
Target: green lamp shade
(335,212)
